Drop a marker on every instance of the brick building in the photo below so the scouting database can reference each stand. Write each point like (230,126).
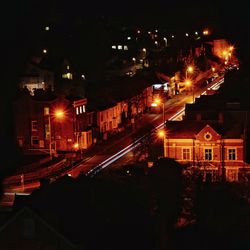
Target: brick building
(46,119)
(213,148)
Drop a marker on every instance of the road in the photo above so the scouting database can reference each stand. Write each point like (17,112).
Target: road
(110,151)
(174,109)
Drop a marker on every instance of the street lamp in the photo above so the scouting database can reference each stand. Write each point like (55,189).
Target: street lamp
(156,103)
(57,114)
(161,134)
(190,70)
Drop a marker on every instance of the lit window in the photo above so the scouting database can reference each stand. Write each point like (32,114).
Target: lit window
(113,47)
(129,38)
(119,46)
(231,154)
(83,109)
(80,109)
(186,155)
(77,111)
(208,154)
(67,66)
(67,76)
(47,131)
(125,47)
(34,140)
(47,28)
(33,125)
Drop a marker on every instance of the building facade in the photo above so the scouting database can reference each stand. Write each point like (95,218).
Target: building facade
(216,152)
(51,123)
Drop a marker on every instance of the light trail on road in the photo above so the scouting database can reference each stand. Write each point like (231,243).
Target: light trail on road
(137,142)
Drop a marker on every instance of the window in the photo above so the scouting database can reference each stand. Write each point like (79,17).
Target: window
(80,108)
(47,131)
(34,125)
(208,154)
(83,109)
(231,154)
(186,154)
(34,140)
(77,110)
(46,111)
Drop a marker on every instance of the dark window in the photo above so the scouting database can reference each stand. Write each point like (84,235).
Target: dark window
(35,140)
(34,125)
(208,154)
(231,154)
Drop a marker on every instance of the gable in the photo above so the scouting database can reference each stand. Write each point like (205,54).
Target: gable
(208,134)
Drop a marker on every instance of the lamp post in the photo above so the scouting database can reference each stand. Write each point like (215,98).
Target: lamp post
(159,101)
(161,134)
(57,114)
(189,83)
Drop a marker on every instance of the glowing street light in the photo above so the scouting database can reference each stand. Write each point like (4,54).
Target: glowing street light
(161,133)
(190,70)
(76,146)
(157,102)
(45,51)
(59,114)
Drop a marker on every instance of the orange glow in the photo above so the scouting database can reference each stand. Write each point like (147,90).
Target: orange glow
(231,48)
(59,114)
(190,69)
(76,146)
(157,100)
(187,82)
(213,69)
(205,32)
(161,133)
